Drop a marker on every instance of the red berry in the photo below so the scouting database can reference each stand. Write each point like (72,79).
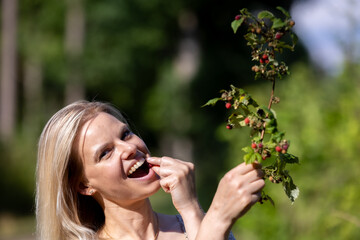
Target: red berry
(247,121)
(260,145)
(237,17)
(285,146)
(263,157)
(265,56)
(229,126)
(253,145)
(267,61)
(278,149)
(228,105)
(278,35)
(261,60)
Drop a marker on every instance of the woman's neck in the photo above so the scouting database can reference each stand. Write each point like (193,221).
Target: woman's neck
(133,221)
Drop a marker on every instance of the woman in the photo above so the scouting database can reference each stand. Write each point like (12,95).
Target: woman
(94,177)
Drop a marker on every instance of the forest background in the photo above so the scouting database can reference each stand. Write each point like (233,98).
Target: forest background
(159,62)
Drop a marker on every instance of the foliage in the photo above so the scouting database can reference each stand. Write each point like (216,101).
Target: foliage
(129,48)
(265,34)
(321,116)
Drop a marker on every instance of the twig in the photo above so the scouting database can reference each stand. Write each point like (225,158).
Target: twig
(269,107)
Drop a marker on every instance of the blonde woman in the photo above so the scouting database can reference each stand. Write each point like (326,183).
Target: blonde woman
(95,176)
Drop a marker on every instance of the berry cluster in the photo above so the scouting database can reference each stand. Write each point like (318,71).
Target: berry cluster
(265,35)
(283,147)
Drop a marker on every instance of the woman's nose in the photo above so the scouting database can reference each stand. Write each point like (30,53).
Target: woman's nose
(127,150)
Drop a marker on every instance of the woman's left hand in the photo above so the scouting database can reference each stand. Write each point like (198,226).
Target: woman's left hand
(177,178)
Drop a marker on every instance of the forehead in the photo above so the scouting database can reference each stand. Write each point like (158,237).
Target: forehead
(98,129)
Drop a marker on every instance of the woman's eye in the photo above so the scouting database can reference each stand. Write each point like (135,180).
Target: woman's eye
(104,153)
(126,134)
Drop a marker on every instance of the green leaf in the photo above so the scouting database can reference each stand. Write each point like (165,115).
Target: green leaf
(247,158)
(270,145)
(252,158)
(278,23)
(284,45)
(291,190)
(248,149)
(276,137)
(212,102)
(294,38)
(258,157)
(286,13)
(289,158)
(256,139)
(270,129)
(236,24)
(251,37)
(265,14)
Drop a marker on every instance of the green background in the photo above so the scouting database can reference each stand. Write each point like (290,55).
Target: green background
(132,56)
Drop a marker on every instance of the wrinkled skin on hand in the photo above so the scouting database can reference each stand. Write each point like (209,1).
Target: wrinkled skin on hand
(177,178)
(238,190)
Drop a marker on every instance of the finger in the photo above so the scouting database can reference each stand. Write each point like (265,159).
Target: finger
(163,161)
(168,161)
(255,197)
(167,183)
(164,171)
(254,175)
(256,186)
(156,169)
(154,161)
(244,168)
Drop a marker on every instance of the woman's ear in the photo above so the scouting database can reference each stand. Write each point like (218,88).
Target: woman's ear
(84,189)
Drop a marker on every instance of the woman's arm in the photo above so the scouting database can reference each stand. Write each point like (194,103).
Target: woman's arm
(238,190)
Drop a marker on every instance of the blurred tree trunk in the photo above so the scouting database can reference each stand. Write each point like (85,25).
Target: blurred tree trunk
(33,77)
(74,45)
(8,69)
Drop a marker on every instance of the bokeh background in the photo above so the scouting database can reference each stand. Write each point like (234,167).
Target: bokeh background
(159,62)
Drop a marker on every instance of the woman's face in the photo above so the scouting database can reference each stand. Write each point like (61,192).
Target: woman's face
(114,161)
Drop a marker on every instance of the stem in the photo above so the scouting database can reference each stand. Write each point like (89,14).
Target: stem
(272,94)
(269,107)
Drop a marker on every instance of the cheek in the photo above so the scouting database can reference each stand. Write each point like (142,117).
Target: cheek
(105,174)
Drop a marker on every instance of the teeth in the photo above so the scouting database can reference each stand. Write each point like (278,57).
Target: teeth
(136,166)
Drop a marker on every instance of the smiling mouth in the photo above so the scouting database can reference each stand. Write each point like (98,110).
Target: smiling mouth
(139,169)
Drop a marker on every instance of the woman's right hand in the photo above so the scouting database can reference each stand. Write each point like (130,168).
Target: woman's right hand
(237,191)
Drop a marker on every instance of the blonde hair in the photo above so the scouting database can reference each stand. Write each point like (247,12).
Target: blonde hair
(61,212)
